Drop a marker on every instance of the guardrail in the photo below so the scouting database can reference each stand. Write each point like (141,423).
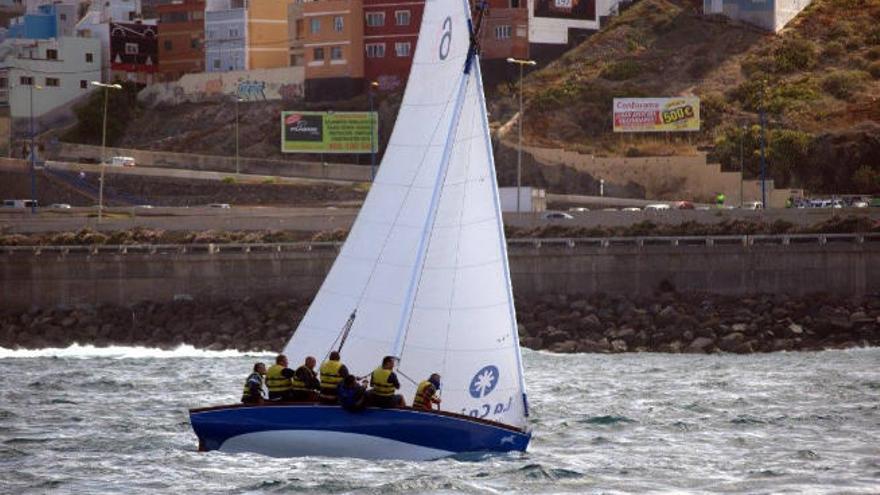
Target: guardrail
(570,243)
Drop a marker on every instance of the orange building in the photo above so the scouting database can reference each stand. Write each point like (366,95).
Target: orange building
(333,48)
(181,38)
(267,34)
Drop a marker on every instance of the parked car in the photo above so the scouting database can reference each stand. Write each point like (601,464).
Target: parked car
(556,215)
(59,206)
(860,204)
(20,203)
(578,208)
(224,206)
(122,161)
(684,205)
(631,208)
(753,205)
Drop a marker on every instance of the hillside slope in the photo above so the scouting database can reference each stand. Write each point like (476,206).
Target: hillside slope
(819,81)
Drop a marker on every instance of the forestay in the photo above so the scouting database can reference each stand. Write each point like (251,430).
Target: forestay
(425,263)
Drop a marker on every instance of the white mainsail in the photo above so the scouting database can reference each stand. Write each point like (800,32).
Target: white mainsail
(425,264)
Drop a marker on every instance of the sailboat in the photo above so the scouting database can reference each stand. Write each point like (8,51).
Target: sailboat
(422,276)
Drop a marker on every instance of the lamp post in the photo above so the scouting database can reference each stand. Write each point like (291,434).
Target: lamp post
(522,63)
(373,86)
(237,155)
(107,88)
(763,145)
(33,154)
(742,166)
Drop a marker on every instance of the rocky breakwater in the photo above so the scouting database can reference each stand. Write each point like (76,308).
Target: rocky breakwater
(697,323)
(665,322)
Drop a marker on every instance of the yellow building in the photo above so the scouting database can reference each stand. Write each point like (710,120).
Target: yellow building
(333,48)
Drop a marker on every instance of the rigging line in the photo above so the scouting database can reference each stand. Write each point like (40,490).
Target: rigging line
(442,172)
(503,248)
(403,200)
(424,242)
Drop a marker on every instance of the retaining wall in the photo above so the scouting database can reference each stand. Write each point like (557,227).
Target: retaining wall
(839,264)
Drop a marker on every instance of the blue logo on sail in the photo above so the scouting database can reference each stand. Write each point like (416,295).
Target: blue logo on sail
(484,382)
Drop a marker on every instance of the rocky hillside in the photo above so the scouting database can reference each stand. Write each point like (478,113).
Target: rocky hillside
(818,81)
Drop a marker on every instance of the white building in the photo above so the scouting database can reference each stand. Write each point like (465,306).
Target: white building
(551,21)
(772,15)
(56,72)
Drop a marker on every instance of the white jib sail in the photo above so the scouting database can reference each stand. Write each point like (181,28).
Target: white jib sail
(425,263)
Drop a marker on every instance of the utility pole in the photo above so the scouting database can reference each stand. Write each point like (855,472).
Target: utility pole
(763,146)
(237,166)
(33,151)
(742,168)
(522,63)
(107,88)
(373,137)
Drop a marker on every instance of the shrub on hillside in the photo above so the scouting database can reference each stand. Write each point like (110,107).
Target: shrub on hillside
(843,84)
(873,53)
(621,71)
(874,69)
(867,179)
(795,54)
(833,50)
(122,106)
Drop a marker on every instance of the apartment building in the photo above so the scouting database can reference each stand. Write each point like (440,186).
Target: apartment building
(44,21)
(391,30)
(134,51)
(181,38)
(96,24)
(333,45)
(246,34)
(39,76)
(505,31)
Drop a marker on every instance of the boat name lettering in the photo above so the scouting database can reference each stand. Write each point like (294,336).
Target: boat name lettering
(484,410)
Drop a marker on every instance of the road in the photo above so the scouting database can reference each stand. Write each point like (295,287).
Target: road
(341,217)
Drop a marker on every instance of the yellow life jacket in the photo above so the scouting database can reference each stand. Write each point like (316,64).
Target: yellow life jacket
(299,384)
(247,386)
(381,385)
(330,377)
(276,382)
(419,400)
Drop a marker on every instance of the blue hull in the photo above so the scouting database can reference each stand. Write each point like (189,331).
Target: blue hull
(292,430)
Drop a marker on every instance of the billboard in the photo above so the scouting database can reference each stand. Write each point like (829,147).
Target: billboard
(566,9)
(329,132)
(680,114)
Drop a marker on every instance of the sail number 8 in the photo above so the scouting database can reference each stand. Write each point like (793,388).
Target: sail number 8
(446,39)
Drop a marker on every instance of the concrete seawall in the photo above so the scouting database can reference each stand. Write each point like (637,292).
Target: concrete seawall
(844,265)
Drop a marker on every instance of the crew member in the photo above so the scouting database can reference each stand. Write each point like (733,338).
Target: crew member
(426,393)
(384,383)
(305,382)
(253,386)
(278,379)
(332,373)
(350,394)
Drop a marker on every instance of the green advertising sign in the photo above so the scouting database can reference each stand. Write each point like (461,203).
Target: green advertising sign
(329,132)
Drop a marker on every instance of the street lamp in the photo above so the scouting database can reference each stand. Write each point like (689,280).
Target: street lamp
(763,144)
(373,86)
(742,165)
(237,167)
(107,88)
(33,152)
(522,63)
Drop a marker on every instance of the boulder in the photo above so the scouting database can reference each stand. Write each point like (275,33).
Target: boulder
(667,316)
(618,345)
(591,324)
(701,344)
(567,346)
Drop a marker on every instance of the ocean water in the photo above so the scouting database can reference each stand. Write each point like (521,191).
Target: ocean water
(85,420)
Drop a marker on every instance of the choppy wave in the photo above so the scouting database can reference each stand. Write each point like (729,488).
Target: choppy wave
(77,351)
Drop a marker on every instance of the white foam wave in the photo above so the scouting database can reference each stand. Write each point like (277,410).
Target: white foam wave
(77,351)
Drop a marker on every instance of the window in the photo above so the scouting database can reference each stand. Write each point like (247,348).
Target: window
(375,19)
(216,63)
(503,32)
(51,54)
(90,58)
(131,48)
(315,26)
(336,53)
(402,17)
(375,50)
(233,32)
(53,82)
(83,84)
(167,45)
(198,15)
(4,83)
(26,81)
(194,43)
(338,23)
(402,49)
(521,31)
(211,34)
(62,17)
(318,54)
